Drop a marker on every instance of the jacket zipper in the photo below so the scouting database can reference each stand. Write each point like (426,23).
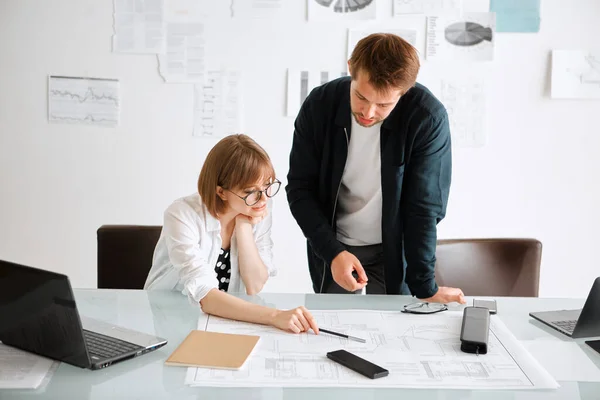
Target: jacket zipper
(334,208)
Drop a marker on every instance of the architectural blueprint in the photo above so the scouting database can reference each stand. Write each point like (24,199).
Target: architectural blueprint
(419,351)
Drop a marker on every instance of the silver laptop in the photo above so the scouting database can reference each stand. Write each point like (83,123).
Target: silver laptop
(38,314)
(576,323)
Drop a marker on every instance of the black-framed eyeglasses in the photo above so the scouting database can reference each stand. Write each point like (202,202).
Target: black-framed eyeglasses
(254,196)
(424,308)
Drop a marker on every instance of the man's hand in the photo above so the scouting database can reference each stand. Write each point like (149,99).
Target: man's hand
(447,295)
(341,270)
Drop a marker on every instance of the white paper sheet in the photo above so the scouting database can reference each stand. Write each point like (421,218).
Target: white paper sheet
(300,83)
(218,104)
(183,60)
(139,26)
(354,35)
(466,37)
(340,10)
(22,370)
(83,100)
(430,7)
(256,8)
(565,361)
(464,100)
(419,352)
(575,74)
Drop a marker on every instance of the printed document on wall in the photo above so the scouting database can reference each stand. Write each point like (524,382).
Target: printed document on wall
(354,35)
(256,8)
(218,104)
(301,83)
(341,10)
(183,61)
(428,7)
(139,26)
(83,100)
(466,37)
(464,100)
(419,353)
(575,74)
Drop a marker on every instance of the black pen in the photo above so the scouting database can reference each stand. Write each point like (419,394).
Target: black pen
(343,335)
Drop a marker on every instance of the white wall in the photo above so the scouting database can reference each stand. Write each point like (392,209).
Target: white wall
(535,177)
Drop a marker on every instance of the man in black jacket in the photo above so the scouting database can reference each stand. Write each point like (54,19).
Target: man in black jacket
(369,176)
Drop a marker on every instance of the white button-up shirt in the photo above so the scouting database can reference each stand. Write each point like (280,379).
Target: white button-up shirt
(188,249)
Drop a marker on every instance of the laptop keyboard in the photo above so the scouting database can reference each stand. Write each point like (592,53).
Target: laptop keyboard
(568,326)
(105,346)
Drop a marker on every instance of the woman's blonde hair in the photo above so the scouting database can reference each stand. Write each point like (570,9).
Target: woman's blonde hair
(235,162)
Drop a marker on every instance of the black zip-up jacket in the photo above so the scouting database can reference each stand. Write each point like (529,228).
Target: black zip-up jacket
(416,163)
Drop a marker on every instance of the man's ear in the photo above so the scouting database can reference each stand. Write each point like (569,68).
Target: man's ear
(349,68)
(221,193)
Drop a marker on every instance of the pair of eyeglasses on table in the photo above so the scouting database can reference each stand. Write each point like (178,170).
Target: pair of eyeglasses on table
(424,308)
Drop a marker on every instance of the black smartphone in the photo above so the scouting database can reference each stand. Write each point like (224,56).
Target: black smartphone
(358,364)
(489,304)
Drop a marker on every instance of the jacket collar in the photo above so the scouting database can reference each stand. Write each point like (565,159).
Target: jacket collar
(211,223)
(344,114)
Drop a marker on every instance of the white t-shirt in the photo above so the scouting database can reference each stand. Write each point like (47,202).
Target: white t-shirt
(359,199)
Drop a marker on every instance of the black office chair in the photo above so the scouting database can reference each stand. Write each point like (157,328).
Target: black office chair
(125,255)
(490,267)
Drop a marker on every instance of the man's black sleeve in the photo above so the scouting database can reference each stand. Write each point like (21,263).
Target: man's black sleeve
(424,199)
(303,185)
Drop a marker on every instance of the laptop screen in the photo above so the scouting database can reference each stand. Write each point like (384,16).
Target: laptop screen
(38,314)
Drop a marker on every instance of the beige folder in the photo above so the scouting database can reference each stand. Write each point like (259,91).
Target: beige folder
(213,350)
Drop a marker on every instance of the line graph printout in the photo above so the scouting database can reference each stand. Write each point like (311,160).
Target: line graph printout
(83,100)
(419,353)
(575,74)
(341,10)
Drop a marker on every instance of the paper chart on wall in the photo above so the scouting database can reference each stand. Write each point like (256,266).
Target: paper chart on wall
(218,104)
(419,353)
(301,82)
(466,37)
(575,74)
(77,100)
(465,101)
(340,10)
(183,60)
(139,26)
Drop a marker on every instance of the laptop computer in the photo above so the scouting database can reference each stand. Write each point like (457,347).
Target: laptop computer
(576,323)
(38,314)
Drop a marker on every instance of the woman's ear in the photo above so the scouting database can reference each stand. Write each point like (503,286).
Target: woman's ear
(221,193)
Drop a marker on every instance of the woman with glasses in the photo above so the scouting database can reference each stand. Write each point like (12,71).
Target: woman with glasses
(219,239)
